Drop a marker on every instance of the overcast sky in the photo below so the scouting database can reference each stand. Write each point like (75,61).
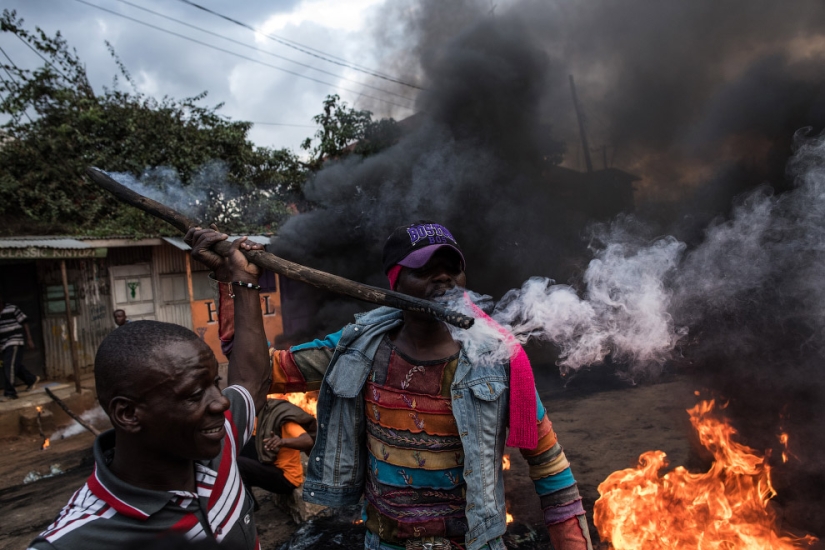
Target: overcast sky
(163,64)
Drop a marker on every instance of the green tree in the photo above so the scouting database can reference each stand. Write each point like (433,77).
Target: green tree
(59,126)
(345,130)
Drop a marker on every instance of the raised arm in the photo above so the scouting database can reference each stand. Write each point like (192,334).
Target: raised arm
(297,369)
(249,362)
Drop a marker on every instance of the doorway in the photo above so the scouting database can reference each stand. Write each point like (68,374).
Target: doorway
(18,284)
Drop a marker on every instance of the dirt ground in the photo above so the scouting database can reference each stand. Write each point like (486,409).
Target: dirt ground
(602,426)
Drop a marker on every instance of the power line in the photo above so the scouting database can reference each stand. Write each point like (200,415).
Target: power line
(283,124)
(304,49)
(24,111)
(12,80)
(296,45)
(234,53)
(50,64)
(261,50)
(289,42)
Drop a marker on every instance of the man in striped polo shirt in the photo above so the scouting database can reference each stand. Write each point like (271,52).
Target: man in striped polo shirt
(13,325)
(169,464)
(413,428)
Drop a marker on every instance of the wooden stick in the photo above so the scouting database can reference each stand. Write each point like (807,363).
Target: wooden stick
(70,326)
(68,411)
(298,272)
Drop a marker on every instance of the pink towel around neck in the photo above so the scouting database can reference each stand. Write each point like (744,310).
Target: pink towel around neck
(523,422)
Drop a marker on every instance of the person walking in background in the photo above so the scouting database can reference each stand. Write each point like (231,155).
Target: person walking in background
(14,334)
(120,317)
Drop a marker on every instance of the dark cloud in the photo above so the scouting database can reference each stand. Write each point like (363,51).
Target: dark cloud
(477,158)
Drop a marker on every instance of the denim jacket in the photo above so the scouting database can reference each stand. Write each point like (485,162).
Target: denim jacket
(337,465)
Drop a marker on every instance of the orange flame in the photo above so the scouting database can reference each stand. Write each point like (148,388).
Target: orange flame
(725,508)
(307,401)
(39,409)
(505,462)
(509,518)
(784,439)
(45,445)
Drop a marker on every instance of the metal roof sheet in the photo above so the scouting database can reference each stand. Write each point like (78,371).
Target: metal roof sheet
(260,239)
(76,242)
(177,242)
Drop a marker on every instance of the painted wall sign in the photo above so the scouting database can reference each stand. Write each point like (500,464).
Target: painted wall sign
(205,320)
(35,252)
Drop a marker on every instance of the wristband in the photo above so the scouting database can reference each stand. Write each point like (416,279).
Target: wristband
(229,284)
(246,285)
(250,286)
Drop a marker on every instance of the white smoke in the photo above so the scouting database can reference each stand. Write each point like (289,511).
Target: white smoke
(731,264)
(484,341)
(624,311)
(95,417)
(209,195)
(163,184)
(634,288)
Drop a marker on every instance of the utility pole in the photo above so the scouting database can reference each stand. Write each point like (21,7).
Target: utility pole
(580,117)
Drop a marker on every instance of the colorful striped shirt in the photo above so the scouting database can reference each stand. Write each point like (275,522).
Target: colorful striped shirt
(11,326)
(108,512)
(415,483)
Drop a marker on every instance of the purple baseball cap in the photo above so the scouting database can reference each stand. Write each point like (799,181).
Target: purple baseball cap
(413,245)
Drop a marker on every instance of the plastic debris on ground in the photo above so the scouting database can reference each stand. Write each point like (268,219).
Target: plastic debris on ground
(34,475)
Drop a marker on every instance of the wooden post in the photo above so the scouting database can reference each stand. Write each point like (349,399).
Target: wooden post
(189,290)
(70,326)
(190,293)
(71,413)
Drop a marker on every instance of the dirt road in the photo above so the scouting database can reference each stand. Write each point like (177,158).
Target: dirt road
(603,428)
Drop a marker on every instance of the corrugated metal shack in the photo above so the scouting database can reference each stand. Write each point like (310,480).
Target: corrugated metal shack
(148,278)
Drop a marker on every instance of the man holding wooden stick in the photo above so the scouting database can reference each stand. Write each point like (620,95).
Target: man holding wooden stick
(170,463)
(407,422)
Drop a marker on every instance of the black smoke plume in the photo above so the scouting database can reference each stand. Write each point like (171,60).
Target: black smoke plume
(476,160)
(702,100)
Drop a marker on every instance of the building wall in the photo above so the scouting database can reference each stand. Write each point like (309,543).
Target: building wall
(168,290)
(205,315)
(172,302)
(91,318)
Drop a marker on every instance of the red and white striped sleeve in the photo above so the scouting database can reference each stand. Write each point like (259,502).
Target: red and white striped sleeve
(241,414)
